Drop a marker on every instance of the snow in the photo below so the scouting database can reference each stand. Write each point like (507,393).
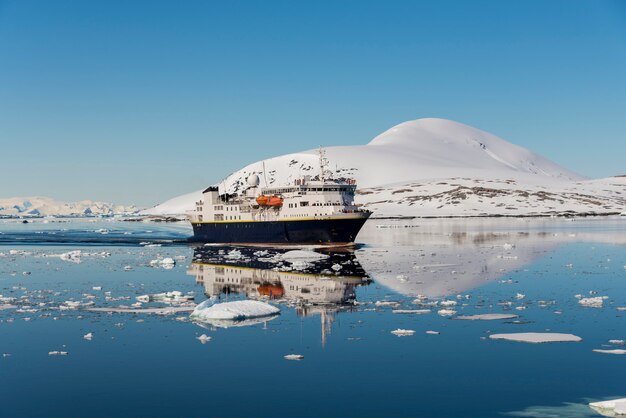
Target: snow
(463,171)
(537,337)
(487,317)
(234,311)
(612,408)
(175,206)
(46,206)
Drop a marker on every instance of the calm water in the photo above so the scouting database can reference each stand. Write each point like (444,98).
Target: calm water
(140,364)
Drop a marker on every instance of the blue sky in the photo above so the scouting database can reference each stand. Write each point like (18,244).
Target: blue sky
(136,102)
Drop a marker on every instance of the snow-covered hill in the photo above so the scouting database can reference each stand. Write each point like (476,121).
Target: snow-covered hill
(45,206)
(438,167)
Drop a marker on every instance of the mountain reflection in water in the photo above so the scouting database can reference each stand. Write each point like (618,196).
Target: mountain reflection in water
(311,286)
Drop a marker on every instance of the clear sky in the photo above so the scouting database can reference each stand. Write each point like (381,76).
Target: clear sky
(136,102)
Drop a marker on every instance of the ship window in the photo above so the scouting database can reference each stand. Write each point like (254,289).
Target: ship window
(304,203)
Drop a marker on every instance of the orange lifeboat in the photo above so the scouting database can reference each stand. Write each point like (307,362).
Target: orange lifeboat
(273,291)
(275,201)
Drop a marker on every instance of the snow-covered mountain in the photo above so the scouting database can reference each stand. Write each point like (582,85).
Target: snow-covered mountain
(438,167)
(45,206)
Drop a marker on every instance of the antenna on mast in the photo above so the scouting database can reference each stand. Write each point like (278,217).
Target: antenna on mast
(323,163)
(264,175)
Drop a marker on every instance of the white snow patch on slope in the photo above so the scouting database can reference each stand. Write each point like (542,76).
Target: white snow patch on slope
(45,206)
(417,167)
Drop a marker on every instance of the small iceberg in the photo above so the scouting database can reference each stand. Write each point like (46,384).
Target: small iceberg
(487,317)
(204,338)
(233,311)
(537,337)
(612,408)
(294,357)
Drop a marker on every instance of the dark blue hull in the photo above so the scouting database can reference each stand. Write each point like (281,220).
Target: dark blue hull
(320,231)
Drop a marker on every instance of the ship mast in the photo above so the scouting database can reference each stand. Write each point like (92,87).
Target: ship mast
(323,164)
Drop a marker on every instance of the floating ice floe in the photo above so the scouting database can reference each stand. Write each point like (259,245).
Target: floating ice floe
(233,311)
(88,336)
(432,332)
(411,311)
(615,351)
(96,288)
(537,337)
(294,357)
(166,263)
(174,296)
(487,317)
(157,311)
(403,332)
(386,303)
(612,408)
(446,312)
(617,342)
(204,338)
(595,302)
(302,255)
(71,256)
(58,353)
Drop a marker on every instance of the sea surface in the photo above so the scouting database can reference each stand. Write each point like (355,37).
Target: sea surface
(336,310)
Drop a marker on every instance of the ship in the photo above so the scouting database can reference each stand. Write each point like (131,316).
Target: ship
(316,210)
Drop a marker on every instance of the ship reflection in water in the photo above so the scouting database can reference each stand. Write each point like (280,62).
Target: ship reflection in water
(321,286)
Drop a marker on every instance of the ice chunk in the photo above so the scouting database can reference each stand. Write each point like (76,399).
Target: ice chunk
(411,311)
(158,311)
(58,353)
(537,337)
(595,302)
(294,357)
(403,332)
(432,332)
(302,255)
(487,317)
(174,296)
(612,408)
(386,303)
(446,312)
(71,256)
(615,351)
(204,338)
(88,336)
(234,311)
